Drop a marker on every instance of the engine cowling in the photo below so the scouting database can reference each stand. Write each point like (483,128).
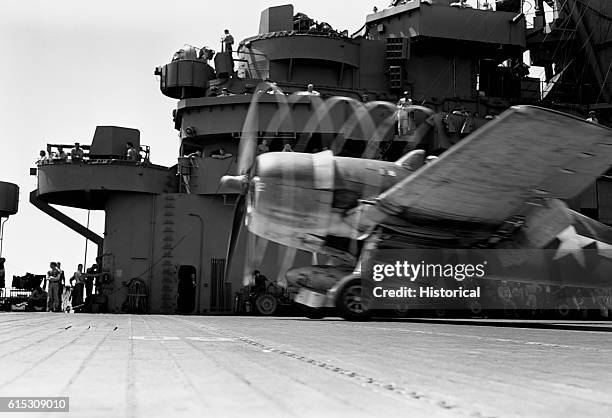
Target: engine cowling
(290,198)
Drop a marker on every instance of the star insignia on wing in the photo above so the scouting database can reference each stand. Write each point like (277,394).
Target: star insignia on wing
(572,243)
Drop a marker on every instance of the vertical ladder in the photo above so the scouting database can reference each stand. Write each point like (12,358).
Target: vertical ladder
(168,280)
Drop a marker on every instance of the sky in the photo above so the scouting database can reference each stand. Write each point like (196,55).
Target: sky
(69,65)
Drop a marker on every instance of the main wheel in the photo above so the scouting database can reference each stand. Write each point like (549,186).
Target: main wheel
(351,302)
(266,304)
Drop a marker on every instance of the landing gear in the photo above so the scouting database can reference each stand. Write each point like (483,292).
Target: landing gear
(352,304)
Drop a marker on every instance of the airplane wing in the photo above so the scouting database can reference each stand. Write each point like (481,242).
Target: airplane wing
(526,154)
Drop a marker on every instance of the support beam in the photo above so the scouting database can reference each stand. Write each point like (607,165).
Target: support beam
(66,220)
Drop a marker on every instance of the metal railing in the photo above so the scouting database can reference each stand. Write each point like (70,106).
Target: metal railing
(56,158)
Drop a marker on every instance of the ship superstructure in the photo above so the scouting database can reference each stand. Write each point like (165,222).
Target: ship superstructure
(167,229)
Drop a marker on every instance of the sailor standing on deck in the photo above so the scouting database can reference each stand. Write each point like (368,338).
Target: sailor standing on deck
(62,283)
(53,276)
(42,158)
(79,283)
(405,118)
(132,153)
(77,154)
(228,41)
(61,157)
(92,276)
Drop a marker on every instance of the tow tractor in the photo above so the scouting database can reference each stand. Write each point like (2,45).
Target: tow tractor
(263,300)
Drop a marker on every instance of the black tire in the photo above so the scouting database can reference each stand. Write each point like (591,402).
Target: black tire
(266,304)
(475,308)
(563,310)
(312,313)
(350,303)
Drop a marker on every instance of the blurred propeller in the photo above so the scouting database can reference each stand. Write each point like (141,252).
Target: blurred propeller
(255,251)
(239,211)
(247,152)
(239,183)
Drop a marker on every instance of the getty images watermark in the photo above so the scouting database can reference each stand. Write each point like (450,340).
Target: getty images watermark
(471,279)
(411,272)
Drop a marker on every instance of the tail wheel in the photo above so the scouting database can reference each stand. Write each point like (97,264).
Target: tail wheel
(351,302)
(266,304)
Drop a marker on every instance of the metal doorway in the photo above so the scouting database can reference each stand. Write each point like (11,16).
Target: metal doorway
(186,289)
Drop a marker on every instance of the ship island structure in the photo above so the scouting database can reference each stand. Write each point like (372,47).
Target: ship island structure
(167,229)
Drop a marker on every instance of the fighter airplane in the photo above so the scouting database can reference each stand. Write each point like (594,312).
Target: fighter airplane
(504,186)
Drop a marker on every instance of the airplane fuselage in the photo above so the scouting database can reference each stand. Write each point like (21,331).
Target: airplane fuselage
(300,200)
